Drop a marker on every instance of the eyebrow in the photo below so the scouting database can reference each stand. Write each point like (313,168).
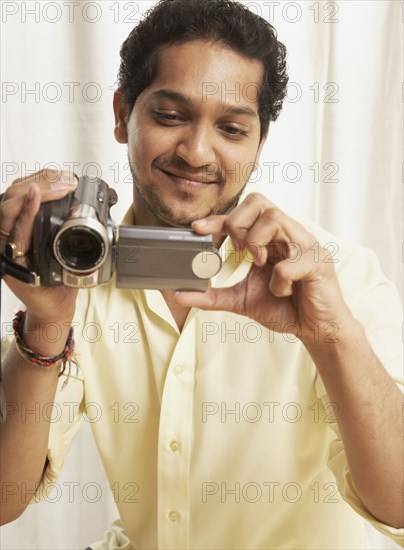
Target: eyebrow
(241,111)
(181,98)
(171,94)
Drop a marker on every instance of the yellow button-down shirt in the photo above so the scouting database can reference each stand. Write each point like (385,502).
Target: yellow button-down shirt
(221,436)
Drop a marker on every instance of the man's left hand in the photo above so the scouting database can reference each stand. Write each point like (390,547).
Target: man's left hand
(292,284)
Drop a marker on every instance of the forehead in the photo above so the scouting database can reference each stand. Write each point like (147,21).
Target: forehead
(206,71)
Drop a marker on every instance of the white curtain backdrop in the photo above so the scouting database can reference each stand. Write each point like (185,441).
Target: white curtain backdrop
(334,156)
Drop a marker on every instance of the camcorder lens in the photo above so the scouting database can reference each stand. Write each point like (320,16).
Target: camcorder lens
(81,248)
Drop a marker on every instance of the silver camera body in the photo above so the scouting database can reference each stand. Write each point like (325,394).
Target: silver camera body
(76,243)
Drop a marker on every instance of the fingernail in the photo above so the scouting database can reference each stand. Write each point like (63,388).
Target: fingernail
(60,186)
(65,183)
(68,180)
(201,223)
(30,194)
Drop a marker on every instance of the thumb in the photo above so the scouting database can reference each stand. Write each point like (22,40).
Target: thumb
(214,299)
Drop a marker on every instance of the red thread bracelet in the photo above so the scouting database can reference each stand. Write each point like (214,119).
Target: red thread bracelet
(37,358)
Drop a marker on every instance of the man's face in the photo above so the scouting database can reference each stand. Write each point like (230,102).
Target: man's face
(193,135)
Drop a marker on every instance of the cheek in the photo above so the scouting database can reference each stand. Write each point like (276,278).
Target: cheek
(146,144)
(239,167)
(139,151)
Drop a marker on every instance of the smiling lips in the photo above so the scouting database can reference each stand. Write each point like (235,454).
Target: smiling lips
(200,180)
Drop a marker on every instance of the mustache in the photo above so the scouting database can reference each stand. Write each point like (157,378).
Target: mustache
(209,171)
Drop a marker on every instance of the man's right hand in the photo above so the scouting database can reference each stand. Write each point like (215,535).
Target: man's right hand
(26,385)
(18,208)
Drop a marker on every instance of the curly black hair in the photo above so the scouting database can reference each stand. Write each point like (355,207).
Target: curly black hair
(226,21)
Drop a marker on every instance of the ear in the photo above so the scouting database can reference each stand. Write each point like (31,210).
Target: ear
(121,118)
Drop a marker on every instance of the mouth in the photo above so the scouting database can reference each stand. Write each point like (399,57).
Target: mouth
(190,180)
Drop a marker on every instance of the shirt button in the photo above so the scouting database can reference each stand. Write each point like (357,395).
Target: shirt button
(173,516)
(174,446)
(177,370)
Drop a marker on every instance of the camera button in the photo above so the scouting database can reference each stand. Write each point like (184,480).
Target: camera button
(206,264)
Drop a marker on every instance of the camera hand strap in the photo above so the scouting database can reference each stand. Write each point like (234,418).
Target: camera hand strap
(8,267)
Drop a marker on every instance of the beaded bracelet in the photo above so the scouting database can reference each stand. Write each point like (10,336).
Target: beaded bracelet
(36,358)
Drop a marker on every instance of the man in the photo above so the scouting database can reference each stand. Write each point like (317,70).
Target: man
(256,439)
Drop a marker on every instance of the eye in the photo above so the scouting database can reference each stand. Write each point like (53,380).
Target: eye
(234,132)
(168,118)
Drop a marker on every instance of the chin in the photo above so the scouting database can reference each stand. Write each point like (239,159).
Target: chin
(180,219)
(179,215)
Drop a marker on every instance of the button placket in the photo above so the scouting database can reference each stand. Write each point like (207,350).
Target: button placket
(175,433)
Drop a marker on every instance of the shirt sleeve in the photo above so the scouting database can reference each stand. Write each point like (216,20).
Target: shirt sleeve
(375,302)
(66,415)
(66,418)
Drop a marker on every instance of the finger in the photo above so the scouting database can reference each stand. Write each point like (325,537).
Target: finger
(228,226)
(236,224)
(223,225)
(215,226)
(287,272)
(274,235)
(14,197)
(46,175)
(256,238)
(51,186)
(253,225)
(21,233)
(211,224)
(10,211)
(214,299)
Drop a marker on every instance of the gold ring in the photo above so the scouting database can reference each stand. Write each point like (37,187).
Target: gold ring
(12,252)
(4,235)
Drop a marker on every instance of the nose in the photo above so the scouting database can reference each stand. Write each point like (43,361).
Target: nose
(196,146)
